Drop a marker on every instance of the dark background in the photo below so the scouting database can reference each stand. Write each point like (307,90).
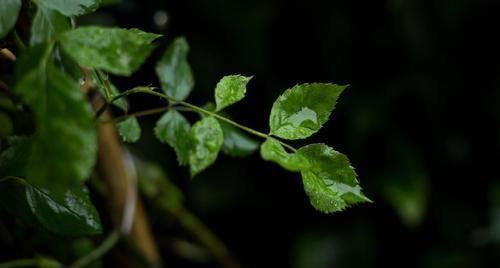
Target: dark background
(420,122)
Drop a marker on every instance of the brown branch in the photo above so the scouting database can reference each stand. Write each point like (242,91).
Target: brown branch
(112,170)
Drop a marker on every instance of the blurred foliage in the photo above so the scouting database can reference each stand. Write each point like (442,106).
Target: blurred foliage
(420,122)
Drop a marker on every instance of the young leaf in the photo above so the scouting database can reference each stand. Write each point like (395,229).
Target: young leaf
(174,71)
(173,128)
(118,51)
(74,216)
(70,7)
(9,10)
(272,150)
(206,139)
(46,24)
(129,129)
(330,180)
(61,113)
(236,143)
(301,110)
(230,89)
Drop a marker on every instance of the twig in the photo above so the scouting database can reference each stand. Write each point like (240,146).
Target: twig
(136,114)
(19,263)
(98,252)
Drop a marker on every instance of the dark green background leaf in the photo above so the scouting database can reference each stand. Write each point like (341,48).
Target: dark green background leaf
(301,110)
(174,71)
(9,10)
(173,128)
(118,51)
(13,160)
(6,126)
(74,216)
(46,24)
(236,142)
(61,114)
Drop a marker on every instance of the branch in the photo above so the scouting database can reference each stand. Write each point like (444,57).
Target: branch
(112,169)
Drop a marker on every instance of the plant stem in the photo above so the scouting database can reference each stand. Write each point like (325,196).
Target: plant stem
(98,252)
(20,263)
(201,110)
(104,81)
(19,41)
(113,99)
(141,113)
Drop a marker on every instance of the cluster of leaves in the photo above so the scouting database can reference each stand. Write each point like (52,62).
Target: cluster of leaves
(329,179)
(46,171)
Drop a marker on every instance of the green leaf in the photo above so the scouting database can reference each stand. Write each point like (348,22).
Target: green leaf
(236,143)
(118,51)
(303,109)
(206,139)
(9,10)
(74,216)
(230,89)
(46,24)
(330,180)
(70,7)
(129,129)
(64,144)
(272,150)
(174,71)
(173,128)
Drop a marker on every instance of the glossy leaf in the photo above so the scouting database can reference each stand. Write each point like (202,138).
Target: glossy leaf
(74,216)
(129,129)
(62,114)
(46,24)
(301,110)
(236,143)
(118,51)
(70,7)
(330,180)
(174,71)
(9,10)
(230,89)
(173,128)
(272,150)
(206,140)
